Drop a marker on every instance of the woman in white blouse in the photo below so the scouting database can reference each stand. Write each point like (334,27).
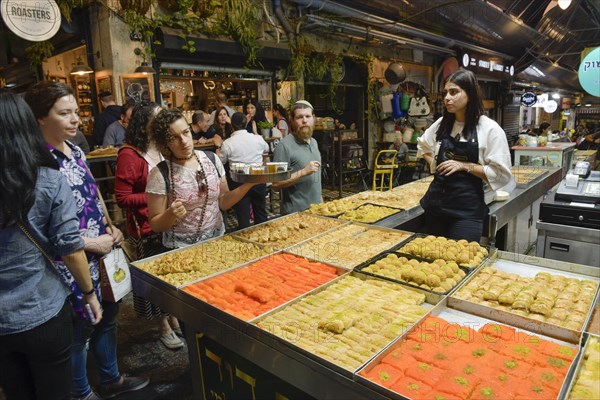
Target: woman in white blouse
(465,149)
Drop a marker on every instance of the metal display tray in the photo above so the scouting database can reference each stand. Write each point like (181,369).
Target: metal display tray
(261,178)
(442,310)
(326,254)
(380,256)
(566,389)
(139,271)
(338,223)
(528,266)
(274,355)
(430,301)
(538,178)
(400,210)
(491,251)
(340,271)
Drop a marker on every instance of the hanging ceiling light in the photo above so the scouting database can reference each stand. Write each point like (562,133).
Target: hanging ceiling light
(145,69)
(564,4)
(81,68)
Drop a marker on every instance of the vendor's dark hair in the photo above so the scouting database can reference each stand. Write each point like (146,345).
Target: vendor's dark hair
(282,111)
(42,96)
(161,127)
(137,130)
(466,80)
(22,153)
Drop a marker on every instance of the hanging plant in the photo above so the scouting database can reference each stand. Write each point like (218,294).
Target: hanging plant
(169,5)
(66,6)
(374,109)
(139,6)
(317,66)
(240,21)
(205,8)
(38,53)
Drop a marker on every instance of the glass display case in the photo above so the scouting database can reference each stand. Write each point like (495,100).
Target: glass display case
(554,155)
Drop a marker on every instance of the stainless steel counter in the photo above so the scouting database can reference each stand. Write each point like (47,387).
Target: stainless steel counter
(520,198)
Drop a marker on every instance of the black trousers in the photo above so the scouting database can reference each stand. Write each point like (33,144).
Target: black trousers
(36,364)
(454,228)
(254,197)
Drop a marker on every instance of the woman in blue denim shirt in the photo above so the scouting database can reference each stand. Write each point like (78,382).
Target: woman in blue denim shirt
(56,111)
(35,319)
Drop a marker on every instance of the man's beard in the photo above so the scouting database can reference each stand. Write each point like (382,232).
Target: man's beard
(304,132)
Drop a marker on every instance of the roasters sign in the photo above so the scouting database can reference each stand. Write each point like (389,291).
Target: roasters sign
(34,20)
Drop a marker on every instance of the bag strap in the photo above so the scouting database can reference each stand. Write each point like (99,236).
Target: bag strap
(164,171)
(35,242)
(213,158)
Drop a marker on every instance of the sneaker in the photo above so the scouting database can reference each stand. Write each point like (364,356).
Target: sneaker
(91,396)
(171,341)
(126,384)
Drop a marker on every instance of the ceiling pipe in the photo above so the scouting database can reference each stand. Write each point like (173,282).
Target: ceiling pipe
(287,27)
(363,31)
(391,26)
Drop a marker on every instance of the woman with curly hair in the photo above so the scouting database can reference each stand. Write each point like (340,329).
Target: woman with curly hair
(186,197)
(222,125)
(134,161)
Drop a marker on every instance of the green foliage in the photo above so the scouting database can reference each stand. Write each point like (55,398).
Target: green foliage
(37,53)
(236,18)
(66,6)
(264,125)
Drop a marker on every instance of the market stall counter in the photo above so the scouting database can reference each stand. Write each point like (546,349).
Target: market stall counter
(313,344)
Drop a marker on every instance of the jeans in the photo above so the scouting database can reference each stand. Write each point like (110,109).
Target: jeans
(36,364)
(102,340)
(454,228)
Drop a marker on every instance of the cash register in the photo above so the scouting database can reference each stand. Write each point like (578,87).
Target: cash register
(569,223)
(577,199)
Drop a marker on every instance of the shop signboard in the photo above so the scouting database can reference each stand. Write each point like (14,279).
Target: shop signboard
(589,72)
(226,375)
(35,21)
(528,99)
(486,65)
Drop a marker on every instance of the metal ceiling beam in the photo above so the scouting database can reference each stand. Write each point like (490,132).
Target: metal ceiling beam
(366,32)
(392,27)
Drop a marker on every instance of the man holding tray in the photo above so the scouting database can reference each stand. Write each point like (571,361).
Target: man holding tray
(302,154)
(245,147)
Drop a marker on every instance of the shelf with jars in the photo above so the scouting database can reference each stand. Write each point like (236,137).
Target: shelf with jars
(83,95)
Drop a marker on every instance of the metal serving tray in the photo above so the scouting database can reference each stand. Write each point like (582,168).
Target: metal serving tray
(261,178)
(491,251)
(136,264)
(195,301)
(279,342)
(367,263)
(327,254)
(442,310)
(578,362)
(399,210)
(337,223)
(528,266)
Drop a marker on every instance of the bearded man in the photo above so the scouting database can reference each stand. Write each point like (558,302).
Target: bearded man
(302,154)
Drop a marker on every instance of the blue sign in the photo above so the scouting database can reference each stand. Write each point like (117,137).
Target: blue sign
(528,99)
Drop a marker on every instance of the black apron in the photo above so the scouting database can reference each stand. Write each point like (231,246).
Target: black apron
(459,195)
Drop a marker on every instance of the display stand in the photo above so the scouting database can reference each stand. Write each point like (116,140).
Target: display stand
(554,155)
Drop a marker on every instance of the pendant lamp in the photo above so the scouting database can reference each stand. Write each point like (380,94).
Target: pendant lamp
(145,69)
(81,68)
